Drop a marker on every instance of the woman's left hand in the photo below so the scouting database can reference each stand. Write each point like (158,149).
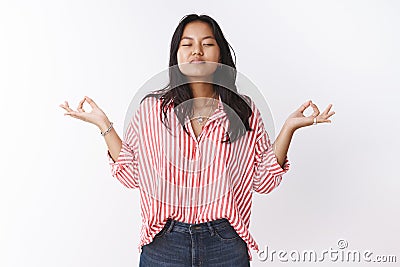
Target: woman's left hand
(297,119)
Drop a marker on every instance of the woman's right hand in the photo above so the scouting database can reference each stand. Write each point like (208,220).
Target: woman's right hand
(96,116)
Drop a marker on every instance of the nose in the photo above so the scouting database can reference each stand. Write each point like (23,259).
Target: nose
(197,50)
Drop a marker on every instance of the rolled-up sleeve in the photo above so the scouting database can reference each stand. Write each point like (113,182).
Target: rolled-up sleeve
(267,171)
(125,168)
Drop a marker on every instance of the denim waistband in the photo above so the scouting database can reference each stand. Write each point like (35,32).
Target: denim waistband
(173,225)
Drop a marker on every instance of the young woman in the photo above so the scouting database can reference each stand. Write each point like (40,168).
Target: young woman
(197,150)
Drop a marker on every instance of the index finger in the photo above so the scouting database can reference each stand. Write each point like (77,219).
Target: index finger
(91,102)
(304,106)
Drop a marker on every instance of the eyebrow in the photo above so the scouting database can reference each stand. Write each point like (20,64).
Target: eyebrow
(190,38)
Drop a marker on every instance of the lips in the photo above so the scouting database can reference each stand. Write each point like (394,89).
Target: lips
(197,62)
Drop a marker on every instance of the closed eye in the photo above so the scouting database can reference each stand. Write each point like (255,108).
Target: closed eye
(204,44)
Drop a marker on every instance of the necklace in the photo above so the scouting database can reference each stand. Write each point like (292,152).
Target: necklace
(202,119)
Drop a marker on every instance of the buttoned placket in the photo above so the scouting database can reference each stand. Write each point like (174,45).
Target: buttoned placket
(210,124)
(214,119)
(195,158)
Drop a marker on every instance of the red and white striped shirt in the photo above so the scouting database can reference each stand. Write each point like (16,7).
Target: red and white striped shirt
(191,179)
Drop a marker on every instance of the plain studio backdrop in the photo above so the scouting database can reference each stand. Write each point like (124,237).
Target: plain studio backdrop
(59,204)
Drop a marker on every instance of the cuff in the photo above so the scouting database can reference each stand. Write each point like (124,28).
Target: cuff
(125,156)
(272,162)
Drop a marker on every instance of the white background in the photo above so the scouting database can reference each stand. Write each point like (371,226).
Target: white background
(59,204)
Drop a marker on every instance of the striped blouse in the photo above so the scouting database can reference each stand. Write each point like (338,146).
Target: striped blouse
(191,179)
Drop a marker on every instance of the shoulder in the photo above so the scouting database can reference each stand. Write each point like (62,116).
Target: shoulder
(148,104)
(141,108)
(149,101)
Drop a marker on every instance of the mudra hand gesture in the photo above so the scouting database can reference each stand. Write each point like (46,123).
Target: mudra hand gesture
(96,116)
(297,119)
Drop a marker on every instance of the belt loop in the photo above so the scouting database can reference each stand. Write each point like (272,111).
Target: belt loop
(171,226)
(210,228)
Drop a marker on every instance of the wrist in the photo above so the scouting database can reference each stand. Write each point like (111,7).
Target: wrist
(104,125)
(288,128)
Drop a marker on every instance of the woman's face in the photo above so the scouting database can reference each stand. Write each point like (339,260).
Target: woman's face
(198,53)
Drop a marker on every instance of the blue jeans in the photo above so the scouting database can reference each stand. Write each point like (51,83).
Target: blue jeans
(213,243)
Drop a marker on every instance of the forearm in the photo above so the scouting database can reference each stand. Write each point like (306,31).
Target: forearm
(112,139)
(282,142)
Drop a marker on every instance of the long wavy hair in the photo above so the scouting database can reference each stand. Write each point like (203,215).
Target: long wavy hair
(177,92)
